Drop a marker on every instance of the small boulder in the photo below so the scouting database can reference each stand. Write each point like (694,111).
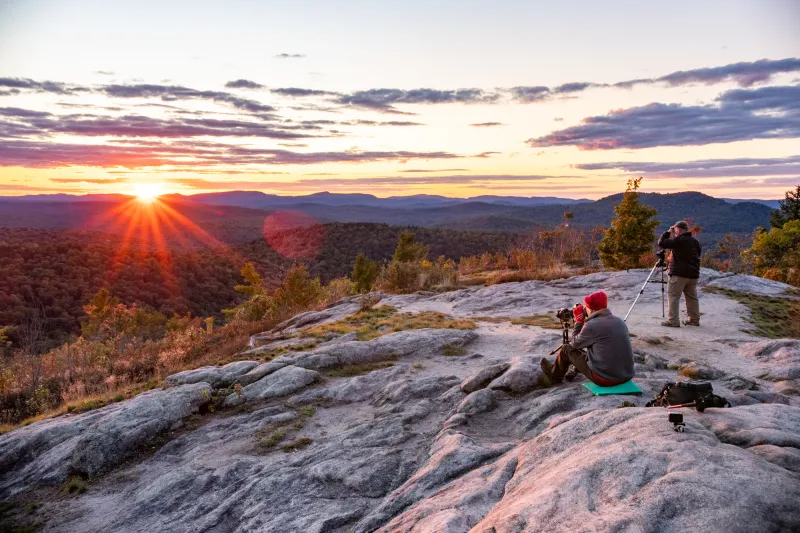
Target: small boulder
(738,383)
(483,377)
(216,376)
(259,372)
(480,401)
(652,360)
(522,376)
(280,383)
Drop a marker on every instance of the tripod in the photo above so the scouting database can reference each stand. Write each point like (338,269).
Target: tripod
(565,325)
(662,266)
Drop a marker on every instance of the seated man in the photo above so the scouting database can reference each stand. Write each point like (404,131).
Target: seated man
(608,359)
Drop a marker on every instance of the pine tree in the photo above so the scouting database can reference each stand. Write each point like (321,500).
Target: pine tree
(407,250)
(789,210)
(365,272)
(632,231)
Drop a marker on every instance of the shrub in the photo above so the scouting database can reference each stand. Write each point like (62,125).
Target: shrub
(775,254)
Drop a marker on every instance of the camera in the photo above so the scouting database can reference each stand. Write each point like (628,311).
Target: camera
(676,419)
(564,314)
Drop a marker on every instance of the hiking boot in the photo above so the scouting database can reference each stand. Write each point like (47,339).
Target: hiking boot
(571,374)
(669,324)
(690,323)
(547,368)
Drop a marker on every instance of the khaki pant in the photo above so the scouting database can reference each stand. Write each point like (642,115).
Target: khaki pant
(688,287)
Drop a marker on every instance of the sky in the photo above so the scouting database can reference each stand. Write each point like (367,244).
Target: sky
(456,98)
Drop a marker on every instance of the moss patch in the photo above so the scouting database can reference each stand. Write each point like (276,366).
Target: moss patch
(771,317)
(347,371)
(75,486)
(272,440)
(378,321)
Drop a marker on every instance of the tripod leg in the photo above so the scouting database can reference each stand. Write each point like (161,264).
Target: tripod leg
(641,291)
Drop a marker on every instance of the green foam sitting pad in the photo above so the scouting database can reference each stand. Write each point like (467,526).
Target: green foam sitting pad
(629,387)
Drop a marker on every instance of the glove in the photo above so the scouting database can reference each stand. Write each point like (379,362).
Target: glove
(578,313)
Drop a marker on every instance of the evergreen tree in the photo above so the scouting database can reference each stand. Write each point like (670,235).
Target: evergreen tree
(632,231)
(789,210)
(407,250)
(365,272)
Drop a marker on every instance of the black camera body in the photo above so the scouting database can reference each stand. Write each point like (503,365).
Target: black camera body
(564,314)
(662,258)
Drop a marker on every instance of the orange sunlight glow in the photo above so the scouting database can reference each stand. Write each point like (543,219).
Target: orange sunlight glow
(147,192)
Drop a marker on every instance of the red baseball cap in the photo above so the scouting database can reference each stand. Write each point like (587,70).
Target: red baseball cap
(596,301)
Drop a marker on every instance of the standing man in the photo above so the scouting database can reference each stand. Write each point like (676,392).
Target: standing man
(684,271)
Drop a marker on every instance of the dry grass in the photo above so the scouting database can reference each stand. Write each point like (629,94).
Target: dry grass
(378,321)
(87,404)
(297,444)
(453,350)
(542,321)
(511,276)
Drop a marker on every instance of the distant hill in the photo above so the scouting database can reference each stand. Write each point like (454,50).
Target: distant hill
(774,204)
(233,224)
(260,200)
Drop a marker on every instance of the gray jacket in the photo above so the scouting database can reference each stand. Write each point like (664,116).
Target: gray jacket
(608,345)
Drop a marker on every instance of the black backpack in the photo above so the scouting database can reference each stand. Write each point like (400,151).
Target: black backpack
(697,394)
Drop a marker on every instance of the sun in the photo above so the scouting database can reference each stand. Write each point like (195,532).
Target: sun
(147,192)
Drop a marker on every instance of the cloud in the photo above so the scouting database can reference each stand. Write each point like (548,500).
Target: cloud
(746,184)
(38,154)
(312,183)
(16,112)
(575,87)
(744,74)
(427,170)
(384,99)
(243,84)
(296,92)
(170,93)
(528,95)
(28,84)
(739,114)
(487,124)
(104,72)
(43,123)
(290,56)
(705,167)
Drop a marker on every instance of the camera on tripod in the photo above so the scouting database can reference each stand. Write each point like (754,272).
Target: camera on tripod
(661,266)
(564,314)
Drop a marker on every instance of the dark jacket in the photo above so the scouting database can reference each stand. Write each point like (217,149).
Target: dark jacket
(685,261)
(608,345)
